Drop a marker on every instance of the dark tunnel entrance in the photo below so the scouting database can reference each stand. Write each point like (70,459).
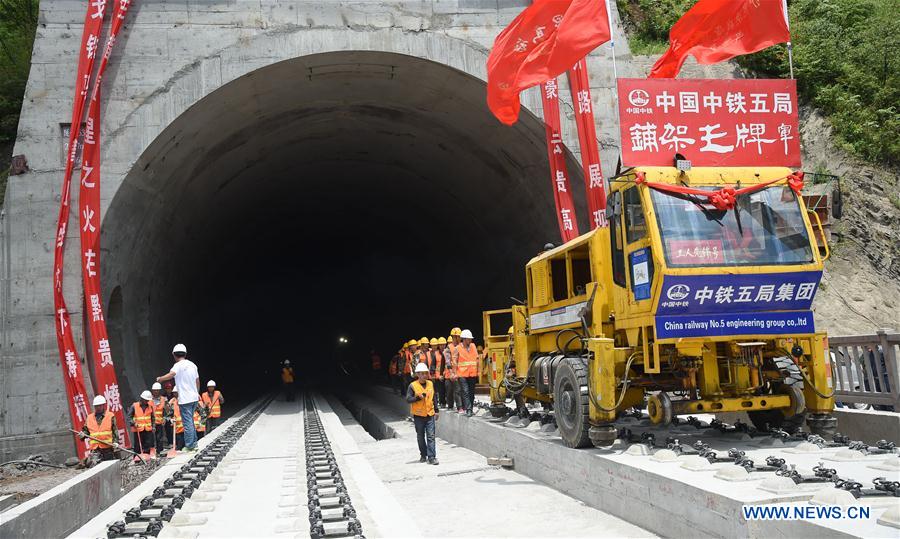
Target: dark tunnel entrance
(358,194)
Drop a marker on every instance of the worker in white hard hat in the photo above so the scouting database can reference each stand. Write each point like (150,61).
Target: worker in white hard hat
(187,382)
(287,380)
(100,425)
(212,402)
(467,368)
(141,416)
(160,433)
(421,398)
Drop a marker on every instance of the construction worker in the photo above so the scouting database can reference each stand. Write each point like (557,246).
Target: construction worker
(287,380)
(449,375)
(200,424)
(212,401)
(141,416)
(454,359)
(158,401)
(393,371)
(187,382)
(467,369)
(437,370)
(422,356)
(411,350)
(101,426)
(420,396)
(376,363)
(173,415)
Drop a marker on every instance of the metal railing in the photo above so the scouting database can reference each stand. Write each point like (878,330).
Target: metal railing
(865,370)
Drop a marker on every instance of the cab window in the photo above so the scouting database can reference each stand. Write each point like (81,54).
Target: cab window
(615,238)
(635,224)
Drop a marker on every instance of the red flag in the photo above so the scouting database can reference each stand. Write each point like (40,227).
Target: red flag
(580,88)
(717,30)
(559,172)
(545,40)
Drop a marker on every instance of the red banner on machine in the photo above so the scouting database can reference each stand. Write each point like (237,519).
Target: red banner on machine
(559,173)
(580,87)
(89,217)
(746,122)
(79,407)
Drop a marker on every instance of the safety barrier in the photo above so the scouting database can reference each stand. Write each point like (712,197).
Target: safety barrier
(865,370)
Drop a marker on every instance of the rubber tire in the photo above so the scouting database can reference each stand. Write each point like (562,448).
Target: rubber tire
(499,410)
(776,418)
(571,375)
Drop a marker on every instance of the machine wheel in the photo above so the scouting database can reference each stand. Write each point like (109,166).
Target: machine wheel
(659,407)
(790,420)
(570,402)
(822,424)
(499,410)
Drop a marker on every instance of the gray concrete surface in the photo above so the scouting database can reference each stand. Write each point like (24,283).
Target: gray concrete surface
(64,508)
(221,121)
(674,502)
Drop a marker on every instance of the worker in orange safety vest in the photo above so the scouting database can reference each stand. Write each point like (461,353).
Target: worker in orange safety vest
(467,369)
(141,416)
(420,396)
(158,401)
(212,400)
(101,425)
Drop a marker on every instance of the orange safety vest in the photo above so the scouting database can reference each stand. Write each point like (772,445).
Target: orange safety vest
(438,360)
(143,418)
(215,407)
(102,432)
(287,375)
(158,410)
(448,367)
(198,426)
(409,366)
(424,407)
(176,416)
(467,364)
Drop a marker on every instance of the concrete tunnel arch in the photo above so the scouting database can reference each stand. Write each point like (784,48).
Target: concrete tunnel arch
(316,196)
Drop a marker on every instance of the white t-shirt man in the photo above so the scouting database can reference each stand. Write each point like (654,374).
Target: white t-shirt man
(186,377)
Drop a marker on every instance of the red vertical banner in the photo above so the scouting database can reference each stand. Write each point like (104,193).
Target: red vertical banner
(68,354)
(559,173)
(89,216)
(580,87)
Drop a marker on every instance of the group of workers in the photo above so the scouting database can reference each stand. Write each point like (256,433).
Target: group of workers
(156,418)
(437,373)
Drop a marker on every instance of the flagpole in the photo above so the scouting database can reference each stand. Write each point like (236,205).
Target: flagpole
(615,90)
(790,47)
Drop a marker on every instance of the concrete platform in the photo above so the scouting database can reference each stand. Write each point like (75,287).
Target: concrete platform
(663,497)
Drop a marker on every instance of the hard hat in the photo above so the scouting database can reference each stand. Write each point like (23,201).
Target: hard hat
(146,395)
(450,339)
(405,344)
(211,383)
(421,367)
(287,361)
(511,330)
(466,334)
(156,385)
(179,348)
(442,341)
(423,340)
(455,331)
(99,399)
(412,342)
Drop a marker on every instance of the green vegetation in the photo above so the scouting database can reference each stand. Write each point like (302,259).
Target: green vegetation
(845,62)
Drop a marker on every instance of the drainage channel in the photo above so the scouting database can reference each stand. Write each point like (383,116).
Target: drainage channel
(147,519)
(331,513)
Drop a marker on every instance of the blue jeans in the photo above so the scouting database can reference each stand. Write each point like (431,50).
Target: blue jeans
(187,419)
(425,435)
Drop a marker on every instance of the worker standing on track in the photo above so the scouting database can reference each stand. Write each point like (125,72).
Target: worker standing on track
(467,369)
(287,380)
(159,422)
(212,400)
(141,416)
(187,383)
(101,424)
(173,415)
(437,370)
(420,396)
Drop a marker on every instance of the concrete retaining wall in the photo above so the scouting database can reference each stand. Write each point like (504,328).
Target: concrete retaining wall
(63,509)
(869,425)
